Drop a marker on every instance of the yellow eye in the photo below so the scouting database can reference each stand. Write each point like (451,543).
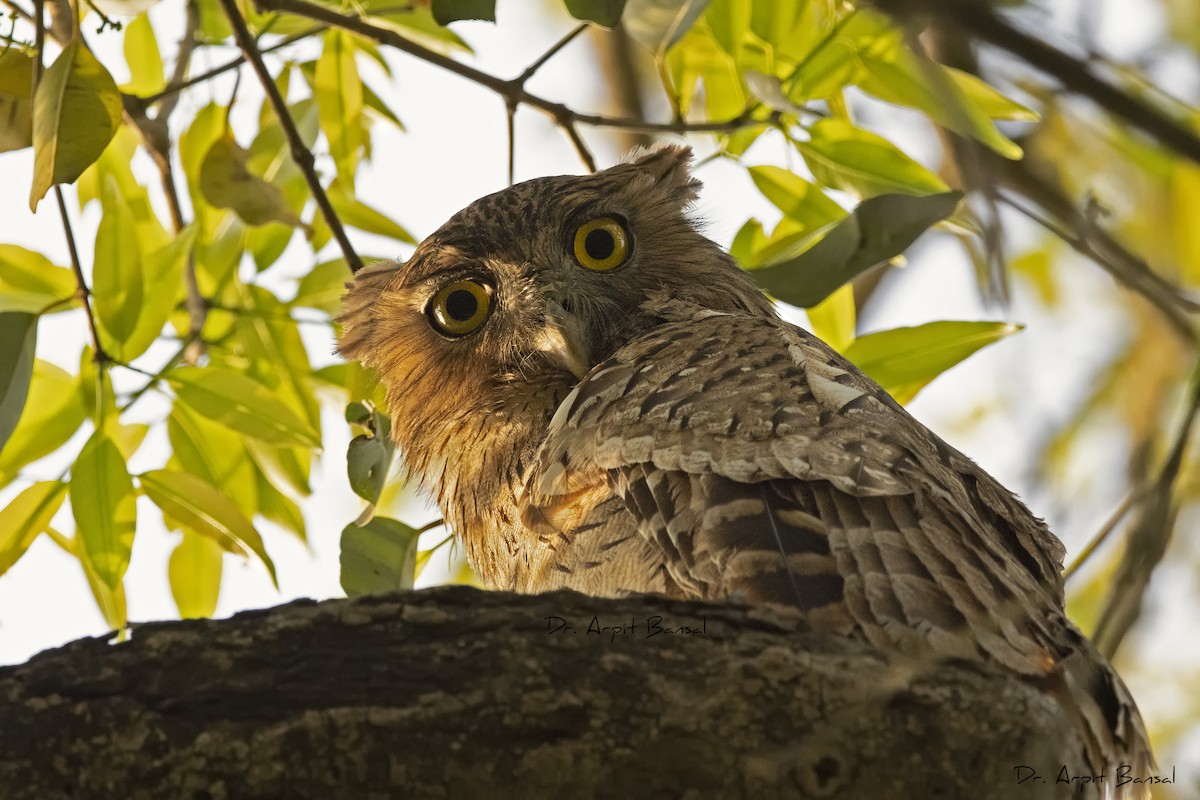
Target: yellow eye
(601,244)
(461,307)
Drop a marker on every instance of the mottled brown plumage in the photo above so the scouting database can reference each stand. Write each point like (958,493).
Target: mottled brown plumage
(654,427)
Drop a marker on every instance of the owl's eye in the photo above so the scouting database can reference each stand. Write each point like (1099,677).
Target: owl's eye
(601,244)
(461,307)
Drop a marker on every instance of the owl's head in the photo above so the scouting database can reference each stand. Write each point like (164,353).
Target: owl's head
(523,291)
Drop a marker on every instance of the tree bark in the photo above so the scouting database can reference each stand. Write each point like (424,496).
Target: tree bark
(454,692)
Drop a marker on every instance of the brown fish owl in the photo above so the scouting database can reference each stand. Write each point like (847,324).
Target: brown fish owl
(600,399)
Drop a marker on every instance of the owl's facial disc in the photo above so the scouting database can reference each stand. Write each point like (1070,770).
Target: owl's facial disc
(564,340)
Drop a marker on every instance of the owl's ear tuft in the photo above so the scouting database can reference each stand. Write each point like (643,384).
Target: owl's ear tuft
(358,305)
(671,167)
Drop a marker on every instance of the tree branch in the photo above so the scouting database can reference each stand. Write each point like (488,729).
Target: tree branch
(454,692)
(511,90)
(979,20)
(300,153)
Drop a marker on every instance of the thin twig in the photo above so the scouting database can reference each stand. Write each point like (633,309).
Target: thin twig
(183,58)
(511,90)
(978,19)
(81,289)
(585,155)
(1168,303)
(300,154)
(20,12)
(177,86)
(524,77)
(1101,536)
(1148,538)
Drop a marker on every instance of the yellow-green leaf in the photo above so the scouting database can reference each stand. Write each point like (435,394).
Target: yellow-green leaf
(53,413)
(243,404)
(117,290)
(338,91)
(357,214)
(24,519)
(16,104)
(203,509)
(162,283)
(76,111)
(103,503)
(27,271)
(952,98)
(18,338)
(863,163)
(904,360)
(110,600)
(833,319)
(226,182)
(658,24)
(142,56)
(798,199)
(194,571)
(214,453)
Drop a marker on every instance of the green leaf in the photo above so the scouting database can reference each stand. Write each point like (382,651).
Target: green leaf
(863,163)
(243,404)
(339,95)
(226,182)
(658,24)
(117,291)
(381,556)
(142,56)
(447,11)
(76,111)
(369,457)
(53,413)
(202,508)
(878,230)
(601,12)
(194,571)
(799,200)
(103,503)
(16,102)
(162,278)
(18,338)
(24,519)
(904,360)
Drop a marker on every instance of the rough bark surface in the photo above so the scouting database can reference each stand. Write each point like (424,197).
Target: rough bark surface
(459,693)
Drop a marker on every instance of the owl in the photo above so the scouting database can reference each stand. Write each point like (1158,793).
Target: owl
(600,399)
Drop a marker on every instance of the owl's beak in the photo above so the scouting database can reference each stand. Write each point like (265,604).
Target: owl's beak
(564,340)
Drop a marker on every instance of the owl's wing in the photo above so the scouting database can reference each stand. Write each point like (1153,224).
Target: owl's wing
(768,467)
